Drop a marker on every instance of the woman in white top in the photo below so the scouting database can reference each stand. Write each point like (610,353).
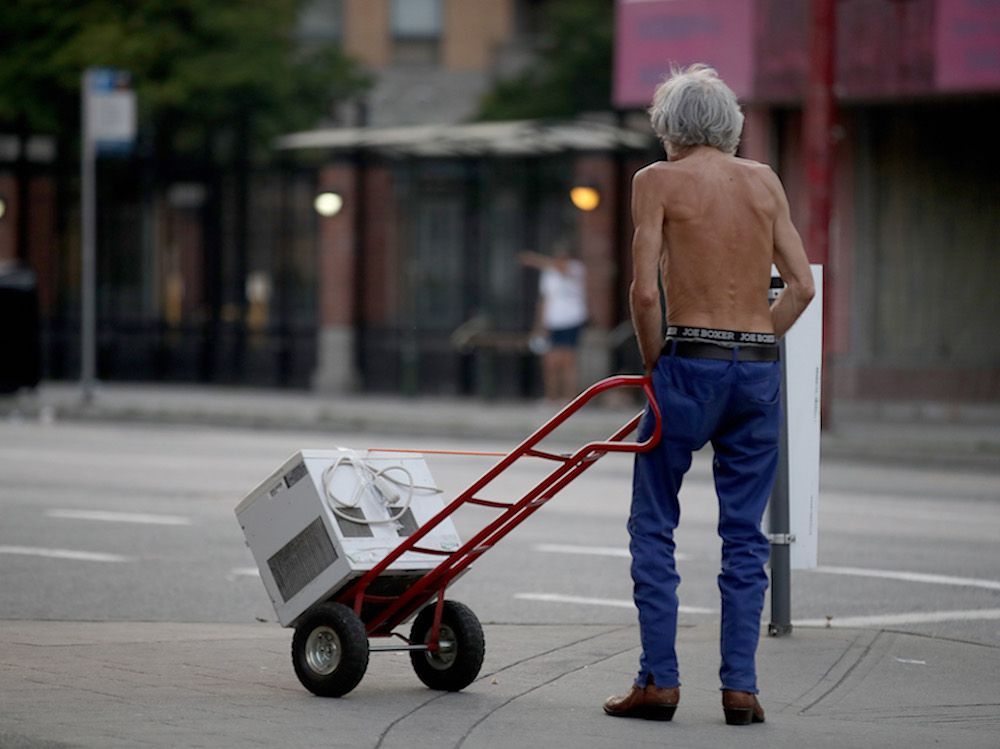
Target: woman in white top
(561,314)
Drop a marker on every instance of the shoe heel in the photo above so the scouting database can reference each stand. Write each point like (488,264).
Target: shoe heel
(659,712)
(738,716)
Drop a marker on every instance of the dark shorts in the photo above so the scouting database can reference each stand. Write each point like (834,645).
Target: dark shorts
(565,337)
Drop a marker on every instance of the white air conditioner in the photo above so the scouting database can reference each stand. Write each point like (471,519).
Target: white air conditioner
(326,517)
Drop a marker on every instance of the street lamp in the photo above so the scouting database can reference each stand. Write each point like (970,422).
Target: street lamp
(585,198)
(328,204)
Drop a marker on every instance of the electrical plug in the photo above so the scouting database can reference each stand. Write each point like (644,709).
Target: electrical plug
(387,489)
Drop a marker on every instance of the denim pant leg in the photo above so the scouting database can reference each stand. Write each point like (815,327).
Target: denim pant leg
(654,516)
(746,458)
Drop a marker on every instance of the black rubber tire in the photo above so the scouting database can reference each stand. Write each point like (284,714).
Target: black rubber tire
(330,650)
(453,669)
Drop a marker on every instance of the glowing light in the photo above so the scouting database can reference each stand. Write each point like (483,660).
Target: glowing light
(328,204)
(585,198)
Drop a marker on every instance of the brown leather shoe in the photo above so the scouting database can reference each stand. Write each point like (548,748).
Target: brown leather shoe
(741,708)
(649,703)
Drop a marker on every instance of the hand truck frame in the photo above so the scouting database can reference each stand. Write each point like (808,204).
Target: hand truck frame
(330,647)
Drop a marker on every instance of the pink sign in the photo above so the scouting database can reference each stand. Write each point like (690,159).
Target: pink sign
(967,42)
(653,34)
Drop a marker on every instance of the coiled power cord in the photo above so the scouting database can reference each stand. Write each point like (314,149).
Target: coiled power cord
(387,488)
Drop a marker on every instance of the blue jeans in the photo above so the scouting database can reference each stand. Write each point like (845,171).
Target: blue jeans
(735,405)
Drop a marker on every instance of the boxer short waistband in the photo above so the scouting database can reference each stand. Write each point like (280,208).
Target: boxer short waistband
(720,337)
(711,343)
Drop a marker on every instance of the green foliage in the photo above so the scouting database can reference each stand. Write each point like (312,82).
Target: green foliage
(199,66)
(572,73)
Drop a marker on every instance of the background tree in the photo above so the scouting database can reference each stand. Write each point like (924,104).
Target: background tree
(572,71)
(216,81)
(201,68)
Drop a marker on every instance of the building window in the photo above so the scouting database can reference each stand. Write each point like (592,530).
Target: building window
(417,27)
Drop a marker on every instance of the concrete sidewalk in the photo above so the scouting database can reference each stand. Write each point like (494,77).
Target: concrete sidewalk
(925,434)
(107,685)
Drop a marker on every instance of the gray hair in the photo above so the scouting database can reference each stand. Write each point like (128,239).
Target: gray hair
(695,107)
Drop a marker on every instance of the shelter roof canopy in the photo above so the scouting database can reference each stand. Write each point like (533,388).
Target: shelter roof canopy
(516,138)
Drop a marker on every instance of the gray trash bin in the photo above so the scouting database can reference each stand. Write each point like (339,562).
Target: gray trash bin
(20,334)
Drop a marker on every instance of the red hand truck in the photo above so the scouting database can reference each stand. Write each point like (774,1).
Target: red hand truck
(331,644)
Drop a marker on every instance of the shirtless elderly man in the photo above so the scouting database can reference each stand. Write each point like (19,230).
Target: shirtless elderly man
(712,224)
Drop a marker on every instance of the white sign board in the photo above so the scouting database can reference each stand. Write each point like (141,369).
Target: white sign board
(110,109)
(803,366)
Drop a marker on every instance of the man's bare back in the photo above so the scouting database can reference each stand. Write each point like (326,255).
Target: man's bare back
(717,240)
(713,224)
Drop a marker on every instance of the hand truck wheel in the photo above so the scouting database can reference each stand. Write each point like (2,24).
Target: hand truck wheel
(330,650)
(456,662)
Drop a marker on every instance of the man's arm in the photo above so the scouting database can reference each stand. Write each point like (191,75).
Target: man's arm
(792,263)
(647,244)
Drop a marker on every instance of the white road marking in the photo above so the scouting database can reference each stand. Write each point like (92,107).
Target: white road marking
(599,551)
(891,620)
(244,572)
(81,556)
(615,602)
(913,577)
(109,516)
(911,661)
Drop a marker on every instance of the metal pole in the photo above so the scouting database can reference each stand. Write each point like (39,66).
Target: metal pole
(88,255)
(779,527)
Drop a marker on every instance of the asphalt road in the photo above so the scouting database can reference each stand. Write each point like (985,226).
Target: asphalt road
(135,523)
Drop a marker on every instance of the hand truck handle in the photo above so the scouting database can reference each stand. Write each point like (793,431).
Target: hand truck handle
(614,443)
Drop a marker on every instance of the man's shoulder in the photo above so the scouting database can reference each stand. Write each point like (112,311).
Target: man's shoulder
(657,173)
(750,163)
(762,169)
(649,170)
